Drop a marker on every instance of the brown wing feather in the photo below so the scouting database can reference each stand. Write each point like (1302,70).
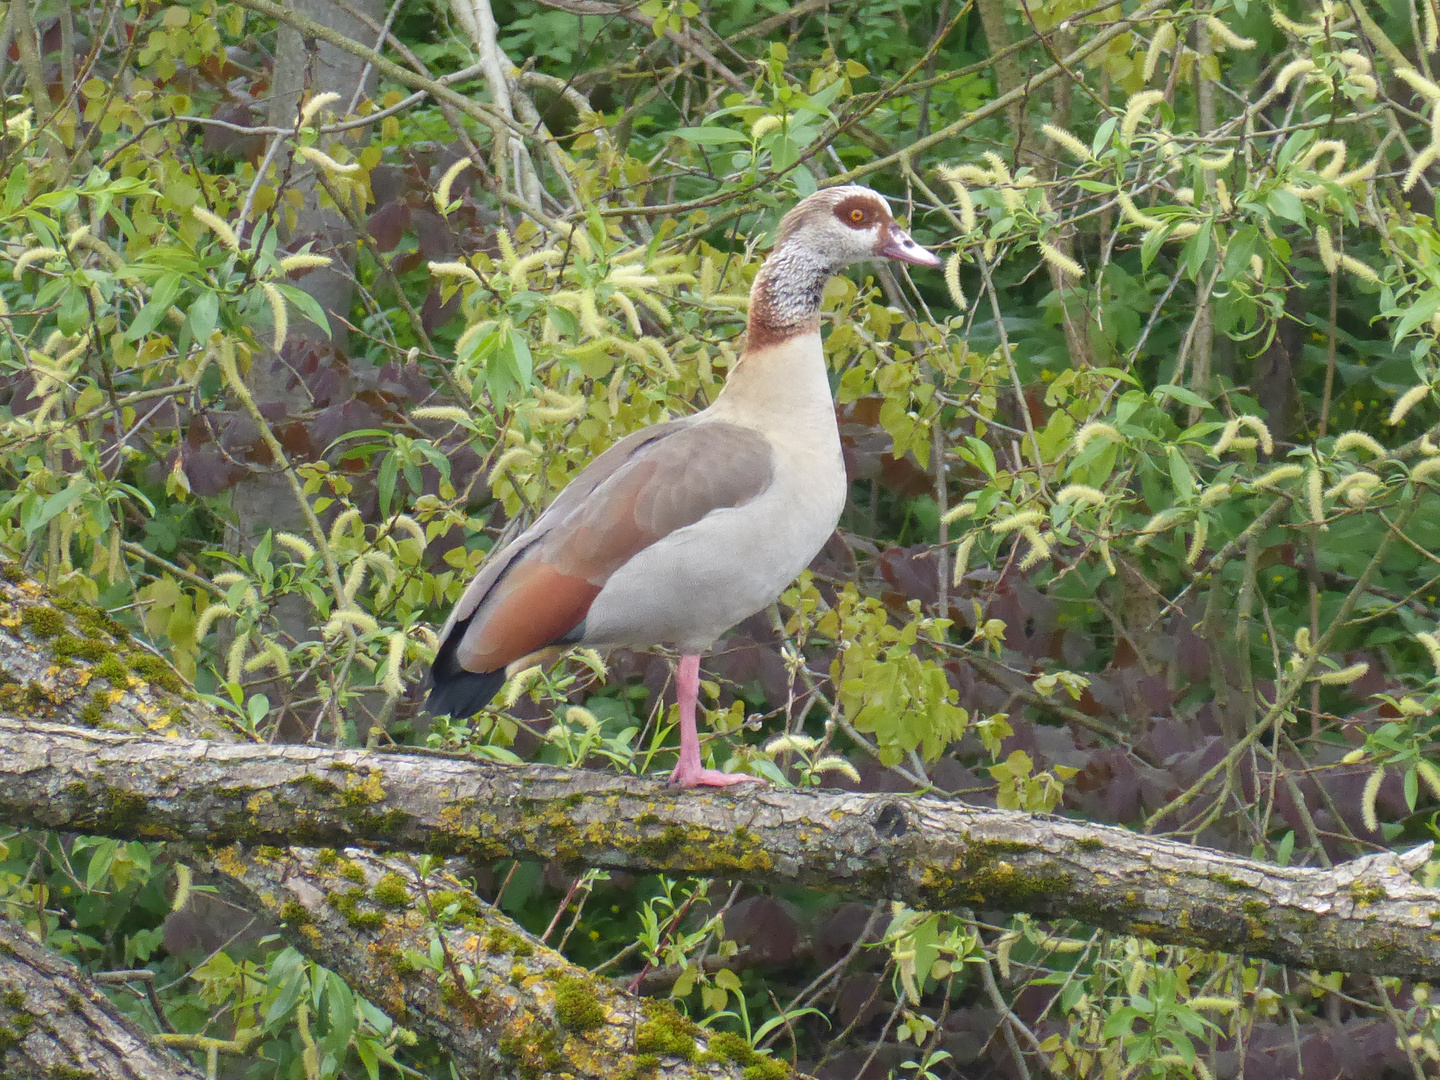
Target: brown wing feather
(647,486)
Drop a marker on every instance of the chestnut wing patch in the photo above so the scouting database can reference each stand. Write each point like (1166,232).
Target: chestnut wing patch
(664,484)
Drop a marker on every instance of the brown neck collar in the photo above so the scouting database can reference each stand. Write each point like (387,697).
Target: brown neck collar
(785,299)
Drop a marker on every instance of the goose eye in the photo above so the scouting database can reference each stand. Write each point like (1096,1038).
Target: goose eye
(857,215)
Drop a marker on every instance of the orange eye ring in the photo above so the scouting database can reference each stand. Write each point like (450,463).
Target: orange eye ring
(857,215)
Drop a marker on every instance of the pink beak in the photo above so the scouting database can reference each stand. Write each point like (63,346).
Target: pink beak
(901,248)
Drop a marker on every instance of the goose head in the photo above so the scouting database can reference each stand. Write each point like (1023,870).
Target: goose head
(848,224)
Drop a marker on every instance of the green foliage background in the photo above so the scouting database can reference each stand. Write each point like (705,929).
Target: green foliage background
(1142,526)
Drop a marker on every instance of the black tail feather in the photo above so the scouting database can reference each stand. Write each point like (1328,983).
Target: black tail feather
(462,693)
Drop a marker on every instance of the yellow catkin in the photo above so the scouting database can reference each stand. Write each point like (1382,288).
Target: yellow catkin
(523,266)
(1368,798)
(235,660)
(1223,33)
(962,559)
(277,312)
(952,280)
(1360,479)
(1359,440)
(1326,247)
(1135,110)
(998,169)
(442,190)
(453,270)
(1421,85)
(1021,520)
(1314,491)
(1432,25)
(1289,71)
(1334,148)
(325,162)
(299,545)
(1430,774)
(1133,213)
(1067,266)
(506,246)
(343,522)
(1197,542)
(966,205)
(1408,401)
(1345,676)
(1279,475)
(315,104)
(34,255)
(1228,434)
(219,226)
(1218,1004)
(1423,160)
(1255,424)
(352,617)
(354,580)
(507,460)
(589,316)
(766,124)
(1080,493)
(209,617)
(1218,162)
(1064,138)
(1093,430)
(626,305)
(1359,269)
(958,511)
(1159,45)
(1423,472)
(1106,556)
(1215,493)
(453,413)
(304,261)
(519,683)
(1432,646)
(1156,525)
(1039,548)
(394,657)
(958,176)
(1222,195)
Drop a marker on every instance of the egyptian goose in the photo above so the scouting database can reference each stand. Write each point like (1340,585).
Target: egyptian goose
(682,529)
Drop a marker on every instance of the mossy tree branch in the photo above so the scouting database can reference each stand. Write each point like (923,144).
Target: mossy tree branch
(68,662)
(451,967)
(55,1022)
(1366,916)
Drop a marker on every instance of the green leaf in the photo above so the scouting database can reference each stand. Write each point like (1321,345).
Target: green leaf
(710,136)
(307,305)
(204,313)
(161,297)
(1287,204)
(1419,312)
(1179,393)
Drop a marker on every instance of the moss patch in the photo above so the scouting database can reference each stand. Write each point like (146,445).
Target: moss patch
(665,1031)
(577,1006)
(44,622)
(156,671)
(390,890)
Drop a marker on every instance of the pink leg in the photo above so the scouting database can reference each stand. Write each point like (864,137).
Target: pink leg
(688,772)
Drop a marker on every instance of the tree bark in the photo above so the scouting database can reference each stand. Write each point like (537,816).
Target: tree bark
(499,1002)
(54,1022)
(1366,916)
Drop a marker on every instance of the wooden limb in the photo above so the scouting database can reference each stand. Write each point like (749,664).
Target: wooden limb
(55,1021)
(498,1001)
(1366,916)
